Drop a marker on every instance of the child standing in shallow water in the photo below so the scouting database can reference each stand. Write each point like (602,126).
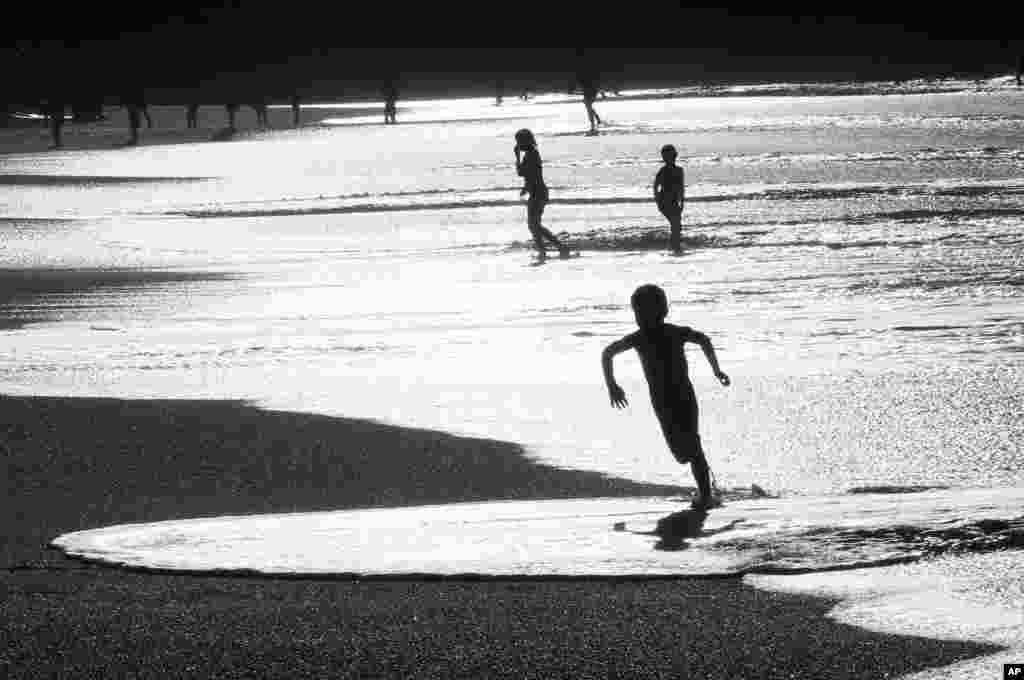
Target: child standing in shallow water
(528,165)
(660,346)
(670,194)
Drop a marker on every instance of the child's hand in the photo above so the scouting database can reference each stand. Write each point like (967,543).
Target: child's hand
(723,378)
(617,396)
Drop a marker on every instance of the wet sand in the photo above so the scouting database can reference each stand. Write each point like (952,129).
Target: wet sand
(74,463)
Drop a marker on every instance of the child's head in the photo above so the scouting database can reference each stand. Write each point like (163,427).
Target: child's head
(524,139)
(650,306)
(668,153)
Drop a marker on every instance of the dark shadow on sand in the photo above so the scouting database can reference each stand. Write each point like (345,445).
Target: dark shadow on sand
(113,624)
(74,463)
(25,292)
(86,180)
(673,530)
(77,463)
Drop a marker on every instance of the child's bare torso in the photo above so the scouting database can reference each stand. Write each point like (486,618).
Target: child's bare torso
(670,180)
(664,363)
(532,172)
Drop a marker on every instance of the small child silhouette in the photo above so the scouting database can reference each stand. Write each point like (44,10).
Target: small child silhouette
(660,346)
(670,194)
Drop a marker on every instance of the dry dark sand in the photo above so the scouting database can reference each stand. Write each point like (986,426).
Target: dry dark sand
(33,136)
(77,463)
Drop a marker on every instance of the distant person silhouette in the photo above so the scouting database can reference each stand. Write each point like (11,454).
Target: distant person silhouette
(135,103)
(499,92)
(670,195)
(660,346)
(296,111)
(262,120)
(390,102)
(530,168)
(1020,69)
(133,123)
(232,110)
(192,115)
(588,85)
(53,109)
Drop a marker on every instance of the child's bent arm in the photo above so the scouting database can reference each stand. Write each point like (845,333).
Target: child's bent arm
(709,352)
(615,393)
(617,347)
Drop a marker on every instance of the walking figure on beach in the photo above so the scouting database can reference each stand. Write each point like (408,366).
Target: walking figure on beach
(529,167)
(260,108)
(660,346)
(192,115)
(135,102)
(53,109)
(390,100)
(587,79)
(670,195)
(588,84)
(232,110)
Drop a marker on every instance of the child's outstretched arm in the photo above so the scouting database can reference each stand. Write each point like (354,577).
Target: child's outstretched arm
(615,393)
(709,352)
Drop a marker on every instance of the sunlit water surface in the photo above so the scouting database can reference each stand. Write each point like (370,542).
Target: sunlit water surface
(857,260)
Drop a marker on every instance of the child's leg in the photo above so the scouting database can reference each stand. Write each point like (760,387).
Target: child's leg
(686,448)
(546,233)
(675,220)
(535,208)
(675,223)
(701,473)
(533,221)
(679,425)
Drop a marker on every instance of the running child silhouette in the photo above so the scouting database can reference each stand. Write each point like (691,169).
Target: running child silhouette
(670,194)
(660,346)
(529,167)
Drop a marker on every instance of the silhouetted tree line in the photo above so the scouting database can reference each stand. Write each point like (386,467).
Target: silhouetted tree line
(229,53)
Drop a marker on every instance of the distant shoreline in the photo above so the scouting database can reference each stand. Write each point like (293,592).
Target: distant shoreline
(787,84)
(23,131)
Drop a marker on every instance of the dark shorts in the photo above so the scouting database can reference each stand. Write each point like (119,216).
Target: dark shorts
(679,425)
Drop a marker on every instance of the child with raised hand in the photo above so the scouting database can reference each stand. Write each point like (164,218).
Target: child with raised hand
(670,195)
(660,347)
(529,167)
